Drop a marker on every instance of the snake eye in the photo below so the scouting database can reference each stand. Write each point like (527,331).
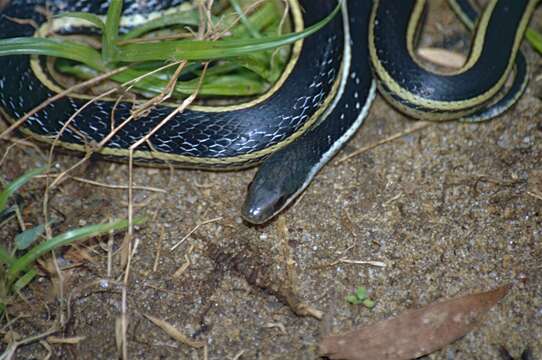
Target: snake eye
(250,185)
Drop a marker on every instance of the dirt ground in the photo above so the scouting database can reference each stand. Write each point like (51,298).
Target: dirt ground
(451,209)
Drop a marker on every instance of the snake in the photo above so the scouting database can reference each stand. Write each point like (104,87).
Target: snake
(466,93)
(305,118)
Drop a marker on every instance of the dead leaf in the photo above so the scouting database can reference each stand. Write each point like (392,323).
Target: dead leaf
(415,332)
(174,333)
(442,57)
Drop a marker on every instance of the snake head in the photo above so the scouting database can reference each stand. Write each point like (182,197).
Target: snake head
(279,180)
(263,202)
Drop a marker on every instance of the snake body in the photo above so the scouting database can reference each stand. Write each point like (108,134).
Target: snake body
(428,95)
(212,137)
(315,107)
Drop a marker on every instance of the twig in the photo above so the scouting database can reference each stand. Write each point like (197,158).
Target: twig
(186,265)
(239,355)
(159,248)
(194,230)
(535,195)
(174,333)
(12,348)
(110,253)
(107,186)
(189,100)
(58,96)
(418,127)
(363,262)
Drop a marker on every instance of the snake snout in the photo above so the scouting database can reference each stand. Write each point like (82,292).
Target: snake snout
(267,195)
(260,206)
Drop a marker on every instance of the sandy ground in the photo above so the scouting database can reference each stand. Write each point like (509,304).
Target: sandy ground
(451,209)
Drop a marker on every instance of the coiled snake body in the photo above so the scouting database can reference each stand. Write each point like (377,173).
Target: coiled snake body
(315,107)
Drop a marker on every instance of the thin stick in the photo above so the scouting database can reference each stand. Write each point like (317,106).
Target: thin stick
(110,255)
(363,262)
(363,150)
(12,348)
(145,138)
(535,195)
(107,186)
(194,230)
(159,248)
(58,96)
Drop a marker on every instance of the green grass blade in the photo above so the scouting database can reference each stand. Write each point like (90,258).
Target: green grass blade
(217,84)
(244,20)
(260,19)
(535,38)
(210,50)
(111,31)
(258,63)
(68,237)
(5,257)
(16,184)
(51,47)
(24,280)
(91,18)
(189,18)
(231,85)
(219,69)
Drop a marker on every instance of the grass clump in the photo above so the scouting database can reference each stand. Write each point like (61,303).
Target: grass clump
(241,46)
(17,259)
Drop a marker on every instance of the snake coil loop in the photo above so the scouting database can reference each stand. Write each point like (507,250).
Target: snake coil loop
(316,106)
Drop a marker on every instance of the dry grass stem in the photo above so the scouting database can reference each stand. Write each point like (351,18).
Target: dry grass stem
(20,21)
(110,243)
(144,139)
(20,142)
(535,195)
(238,355)
(164,95)
(194,230)
(186,265)
(363,262)
(279,326)
(174,333)
(420,126)
(69,341)
(9,353)
(48,348)
(166,291)
(104,185)
(75,88)
(123,331)
(159,248)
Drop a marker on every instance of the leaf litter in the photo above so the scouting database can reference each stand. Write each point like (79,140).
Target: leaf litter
(415,332)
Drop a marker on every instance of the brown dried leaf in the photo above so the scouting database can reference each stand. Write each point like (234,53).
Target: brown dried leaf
(414,332)
(443,57)
(174,333)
